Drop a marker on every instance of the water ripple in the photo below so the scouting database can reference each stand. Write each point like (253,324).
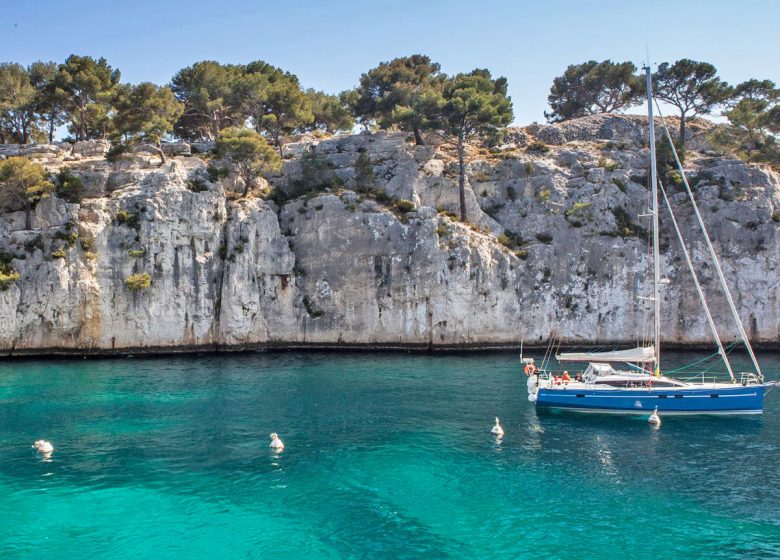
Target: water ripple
(387,456)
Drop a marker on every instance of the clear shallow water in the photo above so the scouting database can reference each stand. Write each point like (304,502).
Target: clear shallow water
(388,456)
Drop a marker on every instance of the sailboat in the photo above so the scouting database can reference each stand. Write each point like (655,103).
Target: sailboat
(638,385)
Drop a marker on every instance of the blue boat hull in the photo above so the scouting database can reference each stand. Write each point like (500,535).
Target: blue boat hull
(732,400)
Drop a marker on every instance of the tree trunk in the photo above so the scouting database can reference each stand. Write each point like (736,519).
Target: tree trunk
(81,132)
(278,140)
(462,177)
(160,151)
(418,139)
(51,129)
(682,131)
(27,214)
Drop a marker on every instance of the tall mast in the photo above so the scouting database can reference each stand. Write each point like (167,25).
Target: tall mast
(656,244)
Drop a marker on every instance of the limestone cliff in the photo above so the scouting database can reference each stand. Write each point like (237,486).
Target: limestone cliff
(339,267)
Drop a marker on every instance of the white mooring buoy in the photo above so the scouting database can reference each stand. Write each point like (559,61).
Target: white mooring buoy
(43,446)
(654,419)
(497,429)
(276,443)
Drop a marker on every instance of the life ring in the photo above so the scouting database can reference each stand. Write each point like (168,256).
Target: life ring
(529,369)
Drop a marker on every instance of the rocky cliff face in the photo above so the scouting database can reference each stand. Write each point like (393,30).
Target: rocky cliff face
(339,267)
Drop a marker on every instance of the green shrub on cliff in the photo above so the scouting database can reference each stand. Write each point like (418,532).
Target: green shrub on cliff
(116,151)
(576,215)
(69,187)
(511,240)
(403,205)
(130,219)
(317,174)
(537,147)
(22,184)
(7,279)
(365,178)
(138,282)
(7,273)
(626,227)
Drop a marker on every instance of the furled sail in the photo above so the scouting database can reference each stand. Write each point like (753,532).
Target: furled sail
(640,354)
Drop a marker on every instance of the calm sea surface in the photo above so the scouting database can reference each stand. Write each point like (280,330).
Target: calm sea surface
(388,456)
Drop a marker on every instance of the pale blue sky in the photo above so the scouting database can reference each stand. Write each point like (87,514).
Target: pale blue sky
(328,44)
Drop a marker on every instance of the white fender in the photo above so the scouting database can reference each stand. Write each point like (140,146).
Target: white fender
(532,387)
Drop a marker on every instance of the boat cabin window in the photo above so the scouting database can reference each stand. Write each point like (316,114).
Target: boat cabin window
(595,369)
(622,382)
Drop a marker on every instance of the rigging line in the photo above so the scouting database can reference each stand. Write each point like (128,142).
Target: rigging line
(548,359)
(712,366)
(728,351)
(696,282)
(714,256)
(547,351)
(692,364)
(729,348)
(557,350)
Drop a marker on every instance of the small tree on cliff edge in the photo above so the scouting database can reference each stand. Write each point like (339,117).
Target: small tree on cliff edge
(85,87)
(17,107)
(754,119)
(397,93)
(287,109)
(593,87)
(330,113)
(22,184)
(249,153)
(473,104)
(693,87)
(208,91)
(146,113)
(48,102)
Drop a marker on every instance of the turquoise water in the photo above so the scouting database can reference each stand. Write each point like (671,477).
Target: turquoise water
(388,456)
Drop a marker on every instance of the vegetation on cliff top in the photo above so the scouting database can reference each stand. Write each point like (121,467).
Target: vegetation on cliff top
(410,93)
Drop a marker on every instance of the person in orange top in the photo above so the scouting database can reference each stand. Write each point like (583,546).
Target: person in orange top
(565,377)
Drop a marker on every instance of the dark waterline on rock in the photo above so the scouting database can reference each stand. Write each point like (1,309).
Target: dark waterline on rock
(336,348)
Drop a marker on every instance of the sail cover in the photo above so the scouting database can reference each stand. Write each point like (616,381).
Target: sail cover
(646,354)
